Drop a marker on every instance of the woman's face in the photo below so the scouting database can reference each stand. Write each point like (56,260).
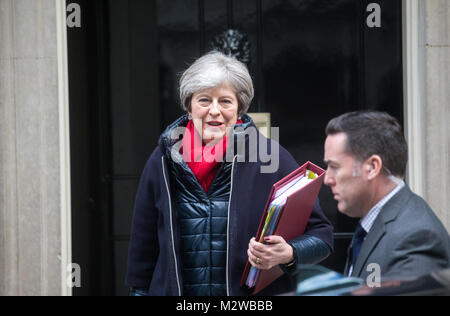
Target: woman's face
(213,111)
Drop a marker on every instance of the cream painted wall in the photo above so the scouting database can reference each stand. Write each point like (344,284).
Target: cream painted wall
(437,107)
(427,101)
(31,190)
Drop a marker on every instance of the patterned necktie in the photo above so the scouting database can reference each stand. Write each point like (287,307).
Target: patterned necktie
(358,239)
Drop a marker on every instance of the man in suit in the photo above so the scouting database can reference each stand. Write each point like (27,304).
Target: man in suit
(398,234)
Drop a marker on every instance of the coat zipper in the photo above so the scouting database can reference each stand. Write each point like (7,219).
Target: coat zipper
(171,227)
(228,227)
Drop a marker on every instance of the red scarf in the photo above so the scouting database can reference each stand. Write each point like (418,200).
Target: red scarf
(204,160)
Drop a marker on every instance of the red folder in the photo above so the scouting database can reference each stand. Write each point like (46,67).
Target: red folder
(293,219)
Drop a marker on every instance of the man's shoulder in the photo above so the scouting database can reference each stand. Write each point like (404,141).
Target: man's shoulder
(413,215)
(416,209)
(404,205)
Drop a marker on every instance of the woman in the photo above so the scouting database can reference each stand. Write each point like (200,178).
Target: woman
(195,214)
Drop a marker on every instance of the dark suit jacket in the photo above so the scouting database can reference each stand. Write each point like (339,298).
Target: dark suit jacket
(407,240)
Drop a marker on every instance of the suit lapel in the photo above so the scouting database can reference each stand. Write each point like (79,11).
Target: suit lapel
(373,237)
(388,213)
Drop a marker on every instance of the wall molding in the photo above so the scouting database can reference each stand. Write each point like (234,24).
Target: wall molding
(64,147)
(414,92)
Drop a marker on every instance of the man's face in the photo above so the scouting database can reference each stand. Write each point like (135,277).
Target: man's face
(344,177)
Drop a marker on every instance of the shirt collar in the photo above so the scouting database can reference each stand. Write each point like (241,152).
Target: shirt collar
(369,219)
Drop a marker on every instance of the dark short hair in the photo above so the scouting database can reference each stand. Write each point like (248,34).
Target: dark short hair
(373,133)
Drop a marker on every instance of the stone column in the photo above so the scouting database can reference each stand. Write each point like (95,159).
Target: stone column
(30,145)
(437,107)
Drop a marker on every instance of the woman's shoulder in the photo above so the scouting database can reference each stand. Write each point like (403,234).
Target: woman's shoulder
(287,162)
(274,158)
(275,147)
(155,159)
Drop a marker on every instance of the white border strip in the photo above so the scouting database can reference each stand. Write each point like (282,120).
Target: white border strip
(64,146)
(414,72)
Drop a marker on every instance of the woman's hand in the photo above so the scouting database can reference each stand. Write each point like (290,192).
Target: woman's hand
(265,256)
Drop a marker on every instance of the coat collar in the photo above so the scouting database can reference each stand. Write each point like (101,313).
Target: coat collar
(173,135)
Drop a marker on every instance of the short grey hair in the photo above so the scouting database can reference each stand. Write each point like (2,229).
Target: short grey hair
(212,70)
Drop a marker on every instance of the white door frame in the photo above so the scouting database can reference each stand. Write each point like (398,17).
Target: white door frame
(64,147)
(414,92)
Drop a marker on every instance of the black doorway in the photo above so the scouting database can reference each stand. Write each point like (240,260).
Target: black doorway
(310,59)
